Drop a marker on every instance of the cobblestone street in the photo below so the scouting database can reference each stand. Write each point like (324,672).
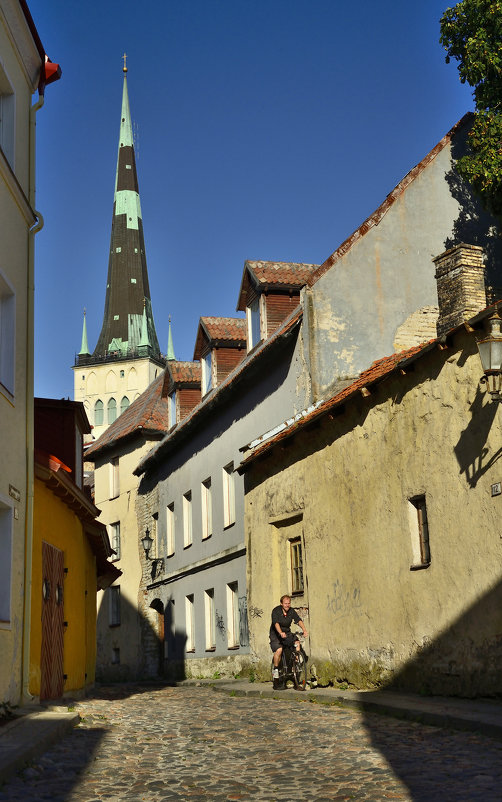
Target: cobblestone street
(191,743)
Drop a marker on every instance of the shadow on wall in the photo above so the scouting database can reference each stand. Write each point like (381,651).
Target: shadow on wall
(160,649)
(473,225)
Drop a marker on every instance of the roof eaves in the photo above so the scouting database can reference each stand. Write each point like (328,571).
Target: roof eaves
(242,370)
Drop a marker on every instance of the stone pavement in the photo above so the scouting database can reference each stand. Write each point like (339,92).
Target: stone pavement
(190,743)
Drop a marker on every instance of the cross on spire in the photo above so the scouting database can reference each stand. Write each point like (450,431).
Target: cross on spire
(124,68)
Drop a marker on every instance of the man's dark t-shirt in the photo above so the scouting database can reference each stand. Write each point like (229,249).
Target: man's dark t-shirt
(284,621)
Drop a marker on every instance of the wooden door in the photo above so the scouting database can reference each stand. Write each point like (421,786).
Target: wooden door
(51,661)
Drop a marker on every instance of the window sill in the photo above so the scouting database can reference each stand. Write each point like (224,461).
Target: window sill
(190,651)
(419,566)
(207,537)
(227,526)
(211,649)
(168,556)
(188,545)
(113,626)
(233,648)
(297,593)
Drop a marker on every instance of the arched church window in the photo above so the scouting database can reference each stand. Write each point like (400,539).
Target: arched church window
(112,410)
(98,413)
(124,404)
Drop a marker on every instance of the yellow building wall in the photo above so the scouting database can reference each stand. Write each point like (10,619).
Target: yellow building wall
(344,488)
(59,526)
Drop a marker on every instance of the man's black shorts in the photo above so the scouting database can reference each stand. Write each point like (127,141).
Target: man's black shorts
(276,642)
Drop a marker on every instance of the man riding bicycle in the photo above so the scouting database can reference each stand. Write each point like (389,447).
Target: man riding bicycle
(280,633)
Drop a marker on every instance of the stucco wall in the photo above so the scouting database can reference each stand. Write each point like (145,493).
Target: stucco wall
(20,63)
(353,312)
(372,619)
(127,636)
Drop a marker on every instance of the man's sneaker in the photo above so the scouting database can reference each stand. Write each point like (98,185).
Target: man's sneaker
(275,673)
(278,685)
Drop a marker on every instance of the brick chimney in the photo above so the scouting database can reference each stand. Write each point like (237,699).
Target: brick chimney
(460,276)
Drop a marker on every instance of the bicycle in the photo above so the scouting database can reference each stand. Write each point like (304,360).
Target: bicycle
(293,666)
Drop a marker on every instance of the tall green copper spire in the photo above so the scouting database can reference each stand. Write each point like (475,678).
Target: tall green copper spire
(170,349)
(128,318)
(84,348)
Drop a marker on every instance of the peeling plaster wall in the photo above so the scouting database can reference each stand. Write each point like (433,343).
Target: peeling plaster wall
(358,305)
(373,620)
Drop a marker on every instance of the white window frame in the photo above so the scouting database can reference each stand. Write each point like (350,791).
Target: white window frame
(296,558)
(101,411)
(7,334)
(253,318)
(170,530)
(207,372)
(172,409)
(206,508)
(111,411)
(233,615)
(209,620)
(228,495)
(187,519)
(114,606)
(190,623)
(114,466)
(114,535)
(124,404)
(6,537)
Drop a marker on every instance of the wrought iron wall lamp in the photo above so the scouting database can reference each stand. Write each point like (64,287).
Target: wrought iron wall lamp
(490,353)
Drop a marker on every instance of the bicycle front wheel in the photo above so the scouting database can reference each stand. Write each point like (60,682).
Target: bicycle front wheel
(300,671)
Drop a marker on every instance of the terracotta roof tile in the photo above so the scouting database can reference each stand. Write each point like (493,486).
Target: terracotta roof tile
(378,370)
(148,412)
(219,330)
(184,372)
(274,274)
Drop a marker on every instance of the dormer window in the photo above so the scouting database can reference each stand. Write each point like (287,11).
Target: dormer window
(207,372)
(253,321)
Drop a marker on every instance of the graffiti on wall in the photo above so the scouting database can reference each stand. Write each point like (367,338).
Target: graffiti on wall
(344,600)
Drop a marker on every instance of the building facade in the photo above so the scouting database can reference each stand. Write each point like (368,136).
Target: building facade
(24,68)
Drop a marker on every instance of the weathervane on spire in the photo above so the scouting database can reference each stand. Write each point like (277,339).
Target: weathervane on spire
(124,68)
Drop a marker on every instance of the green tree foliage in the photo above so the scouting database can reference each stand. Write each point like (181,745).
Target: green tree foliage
(471,33)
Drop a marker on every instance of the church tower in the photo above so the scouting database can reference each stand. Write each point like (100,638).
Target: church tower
(127,356)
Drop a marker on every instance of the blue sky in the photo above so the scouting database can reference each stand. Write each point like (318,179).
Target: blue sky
(265,130)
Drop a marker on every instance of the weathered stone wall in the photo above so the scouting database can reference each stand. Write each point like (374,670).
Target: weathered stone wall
(346,484)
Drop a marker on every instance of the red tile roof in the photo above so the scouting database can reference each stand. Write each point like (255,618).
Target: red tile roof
(220,330)
(221,391)
(184,372)
(384,207)
(379,370)
(148,413)
(283,275)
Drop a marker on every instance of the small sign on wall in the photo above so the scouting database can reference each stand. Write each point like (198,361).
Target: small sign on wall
(497,489)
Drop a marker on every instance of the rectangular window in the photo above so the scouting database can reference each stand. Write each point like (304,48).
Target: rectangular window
(232,615)
(228,495)
(209,619)
(207,373)
(295,548)
(419,528)
(170,529)
(6,522)
(189,623)
(114,609)
(114,477)
(114,535)
(187,519)
(7,334)
(253,323)
(172,410)
(207,509)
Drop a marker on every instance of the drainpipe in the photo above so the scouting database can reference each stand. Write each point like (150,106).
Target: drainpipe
(30,359)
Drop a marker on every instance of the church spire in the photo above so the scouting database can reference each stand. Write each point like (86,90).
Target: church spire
(128,307)
(84,348)
(170,348)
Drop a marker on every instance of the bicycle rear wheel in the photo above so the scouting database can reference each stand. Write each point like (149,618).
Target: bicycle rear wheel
(300,670)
